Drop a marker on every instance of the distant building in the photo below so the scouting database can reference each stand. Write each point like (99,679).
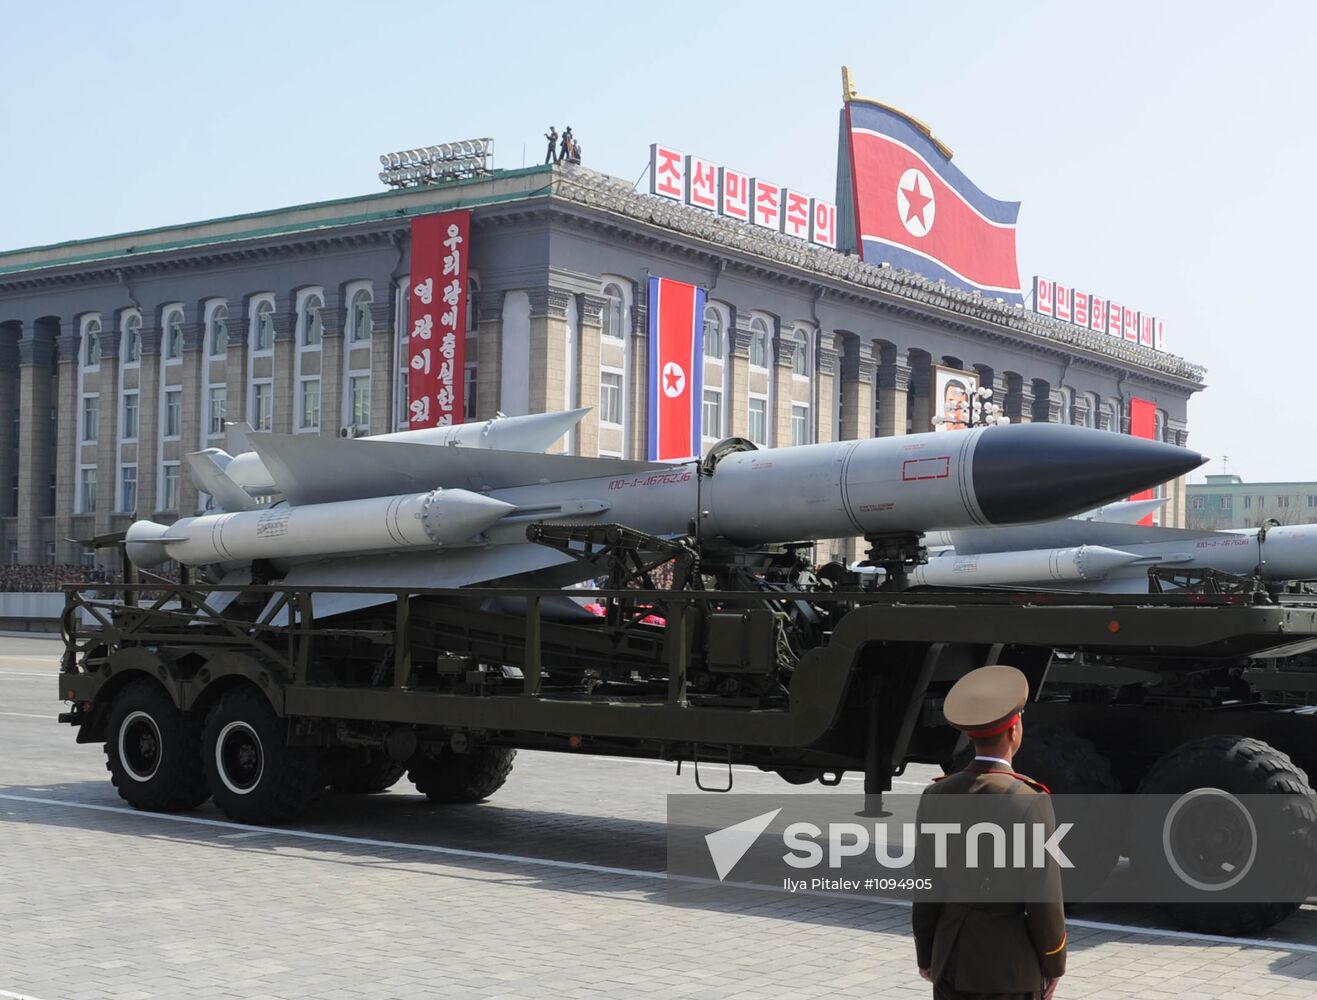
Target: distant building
(1226,501)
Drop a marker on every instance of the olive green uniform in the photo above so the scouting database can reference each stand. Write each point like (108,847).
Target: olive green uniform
(998,950)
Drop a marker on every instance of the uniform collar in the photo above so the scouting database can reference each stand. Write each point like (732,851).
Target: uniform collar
(985,764)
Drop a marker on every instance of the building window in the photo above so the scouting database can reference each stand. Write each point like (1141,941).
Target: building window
(713,413)
(799,424)
(173,412)
(312,325)
(1197,503)
(173,335)
(217,402)
(262,406)
(1226,503)
(469,393)
(359,394)
(263,335)
(310,408)
(610,397)
(800,354)
(614,312)
(713,333)
(87,490)
(130,416)
(91,418)
(169,487)
(758,429)
(361,319)
(1159,426)
(86,557)
(1113,417)
(758,343)
(1312,500)
(1282,501)
(1248,501)
(128,488)
(91,344)
(472,297)
(50,553)
(132,339)
(219,331)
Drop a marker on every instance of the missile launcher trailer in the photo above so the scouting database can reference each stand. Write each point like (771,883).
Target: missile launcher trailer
(244,695)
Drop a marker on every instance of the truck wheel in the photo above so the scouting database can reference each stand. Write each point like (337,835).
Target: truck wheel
(462,777)
(1218,837)
(153,751)
(254,775)
(363,772)
(1070,765)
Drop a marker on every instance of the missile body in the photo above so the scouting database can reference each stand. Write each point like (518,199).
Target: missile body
(876,486)
(385,524)
(1079,563)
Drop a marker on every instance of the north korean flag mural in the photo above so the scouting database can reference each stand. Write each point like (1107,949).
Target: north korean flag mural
(676,369)
(911,208)
(1143,424)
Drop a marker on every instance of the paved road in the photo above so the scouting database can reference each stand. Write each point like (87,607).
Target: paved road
(552,888)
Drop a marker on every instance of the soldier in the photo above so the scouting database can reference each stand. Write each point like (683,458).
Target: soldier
(991,948)
(565,152)
(552,135)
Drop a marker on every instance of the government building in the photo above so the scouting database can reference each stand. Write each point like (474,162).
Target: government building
(120,355)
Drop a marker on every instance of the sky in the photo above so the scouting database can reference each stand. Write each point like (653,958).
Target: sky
(1161,152)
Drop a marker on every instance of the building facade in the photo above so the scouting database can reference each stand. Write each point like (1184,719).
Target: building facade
(1226,501)
(120,355)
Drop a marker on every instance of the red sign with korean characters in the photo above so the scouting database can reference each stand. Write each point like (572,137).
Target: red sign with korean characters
(702,183)
(1097,313)
(734,198)
(768,204)
(436,339)
(667,172)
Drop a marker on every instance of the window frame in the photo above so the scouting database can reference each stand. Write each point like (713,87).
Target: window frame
(604,420)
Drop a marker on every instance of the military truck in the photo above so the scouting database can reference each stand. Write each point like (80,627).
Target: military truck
(241,694)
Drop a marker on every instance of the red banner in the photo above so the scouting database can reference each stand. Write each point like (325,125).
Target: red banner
(676,369)
(436,343)
(1143,424)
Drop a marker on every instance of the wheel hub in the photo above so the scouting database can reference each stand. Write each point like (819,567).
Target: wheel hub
(140,746)
(239,758)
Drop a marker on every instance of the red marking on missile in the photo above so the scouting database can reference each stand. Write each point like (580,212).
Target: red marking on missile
(926,468)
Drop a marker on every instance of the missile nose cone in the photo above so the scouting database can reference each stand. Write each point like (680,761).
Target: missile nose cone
(1053,470)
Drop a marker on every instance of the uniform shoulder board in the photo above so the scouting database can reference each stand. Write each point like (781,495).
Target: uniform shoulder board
(1036,785)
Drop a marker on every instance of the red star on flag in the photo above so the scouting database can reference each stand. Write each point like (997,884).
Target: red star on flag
(916,201)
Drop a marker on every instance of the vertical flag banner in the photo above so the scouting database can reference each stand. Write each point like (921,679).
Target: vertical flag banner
(436,341)
(911,208)
(676,369)
(1143,424)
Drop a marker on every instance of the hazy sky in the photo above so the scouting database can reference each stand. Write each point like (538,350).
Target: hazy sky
(1161,151)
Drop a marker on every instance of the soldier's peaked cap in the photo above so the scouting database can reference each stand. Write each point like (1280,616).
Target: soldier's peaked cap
(986,701)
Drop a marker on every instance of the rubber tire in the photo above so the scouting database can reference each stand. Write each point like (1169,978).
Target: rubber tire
(291,778)
(178,783)
(1240,765)
(363,772)
(462,777)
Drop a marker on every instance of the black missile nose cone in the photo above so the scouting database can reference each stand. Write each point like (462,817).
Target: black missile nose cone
(1038,472)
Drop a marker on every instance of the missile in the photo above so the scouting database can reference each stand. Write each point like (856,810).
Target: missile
(384,524)
(533,432)
(1078,563)
(877,486)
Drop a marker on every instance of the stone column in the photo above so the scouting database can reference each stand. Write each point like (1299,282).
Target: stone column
(893,391)
(384,360)
(1176,512)
(489,354)
(857,392)
(825,400)
(590,308)
(638,390)
(9,455)
(782,381)
(36,356)
(921,398)
(235,365)
(1079,411)
(107,441)
(194,407)
(1013,399)
(738,381)
(148,418)
(1047,402)
(548,357)
(284,366)
(331,365)
(67,446)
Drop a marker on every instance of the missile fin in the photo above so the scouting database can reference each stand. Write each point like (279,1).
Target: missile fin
(235,437)
(313,469)
(208,473)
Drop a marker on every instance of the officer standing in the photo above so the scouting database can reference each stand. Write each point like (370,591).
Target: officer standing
(991,948)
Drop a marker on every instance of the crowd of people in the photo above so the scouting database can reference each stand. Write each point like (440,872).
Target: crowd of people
(46,579)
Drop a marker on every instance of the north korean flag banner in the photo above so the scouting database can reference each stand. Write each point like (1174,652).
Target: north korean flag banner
(913,209)
(436,337)
(676,369)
